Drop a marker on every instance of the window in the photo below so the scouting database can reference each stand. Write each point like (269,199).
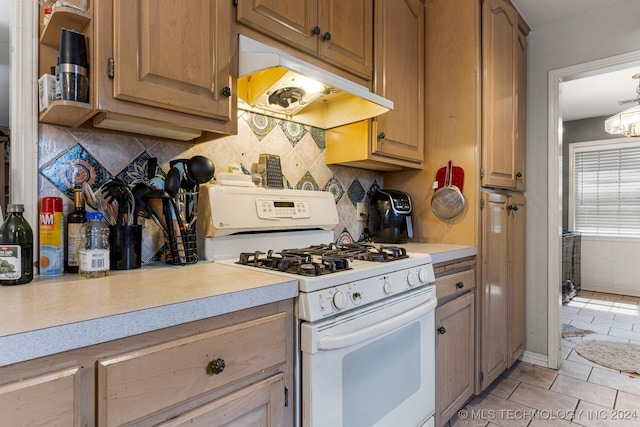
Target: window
(605,189)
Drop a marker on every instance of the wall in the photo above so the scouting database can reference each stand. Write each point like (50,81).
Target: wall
(67,156)
(607,31)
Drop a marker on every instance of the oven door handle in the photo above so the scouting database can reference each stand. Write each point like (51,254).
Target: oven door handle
(334,342)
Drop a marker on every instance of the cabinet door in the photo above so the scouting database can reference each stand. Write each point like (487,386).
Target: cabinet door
(260,404)
(499,103)
(517,220)
(495,300)
(399,76)
(47,400)
(289,21)
(454,356)
(346,35)
(173,55)
(521,125)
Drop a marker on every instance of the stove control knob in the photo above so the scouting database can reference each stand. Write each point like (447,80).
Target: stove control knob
(423,276)
(339,300)
(412,280)
(387,287)
(356,298)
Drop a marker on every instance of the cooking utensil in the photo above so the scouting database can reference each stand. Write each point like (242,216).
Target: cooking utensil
(172,181)
(88,196)
(164,207)
(116,191)
(448,202)
(200,169)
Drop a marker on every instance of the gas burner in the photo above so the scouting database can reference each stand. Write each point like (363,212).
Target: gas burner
(321,259)
(295,261)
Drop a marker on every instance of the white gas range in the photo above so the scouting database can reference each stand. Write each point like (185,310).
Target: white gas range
(365,311)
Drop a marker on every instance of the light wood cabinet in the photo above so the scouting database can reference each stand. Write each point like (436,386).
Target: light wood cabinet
(338,32)
(455,361)
(162,71)
(49,399)
(393,140)
(234,369)
(503,96)
(502,335)
(260,404)
(516,224)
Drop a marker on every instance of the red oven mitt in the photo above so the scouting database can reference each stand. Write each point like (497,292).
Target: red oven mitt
(450,175)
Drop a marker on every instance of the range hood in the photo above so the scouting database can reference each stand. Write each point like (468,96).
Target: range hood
(276,84)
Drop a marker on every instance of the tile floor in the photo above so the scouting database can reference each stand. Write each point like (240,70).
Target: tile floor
(581,393)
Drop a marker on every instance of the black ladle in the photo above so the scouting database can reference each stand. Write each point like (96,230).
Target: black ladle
(200,169)
(172,181)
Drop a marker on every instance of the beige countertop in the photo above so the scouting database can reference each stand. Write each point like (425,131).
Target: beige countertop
(54,314)
(441,252)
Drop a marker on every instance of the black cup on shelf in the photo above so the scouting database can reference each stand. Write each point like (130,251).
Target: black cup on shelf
(74,66)
(125,243)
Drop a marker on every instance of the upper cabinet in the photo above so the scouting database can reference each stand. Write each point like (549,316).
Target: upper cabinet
(338,32)
(393,140)
(160,71)
(503,96)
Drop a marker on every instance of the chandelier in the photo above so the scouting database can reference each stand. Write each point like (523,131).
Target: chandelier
(627,122)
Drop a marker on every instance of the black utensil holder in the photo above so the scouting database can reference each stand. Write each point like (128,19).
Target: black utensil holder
(189,241)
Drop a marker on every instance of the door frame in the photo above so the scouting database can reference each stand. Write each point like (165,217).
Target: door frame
(554,190)
(23,109)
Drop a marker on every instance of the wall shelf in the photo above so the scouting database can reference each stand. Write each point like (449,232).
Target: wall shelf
(63,17)
(66,113)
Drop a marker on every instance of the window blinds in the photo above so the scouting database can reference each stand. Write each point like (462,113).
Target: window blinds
(606,191)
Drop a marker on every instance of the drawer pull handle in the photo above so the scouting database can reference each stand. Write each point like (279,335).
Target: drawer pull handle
(316,30)
(326,36)
(442,330)
(519,175)
(215,367)
(459,285)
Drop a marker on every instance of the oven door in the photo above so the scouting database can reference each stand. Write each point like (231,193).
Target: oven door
(371,367)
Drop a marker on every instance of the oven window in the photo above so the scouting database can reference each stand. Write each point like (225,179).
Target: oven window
(380,376)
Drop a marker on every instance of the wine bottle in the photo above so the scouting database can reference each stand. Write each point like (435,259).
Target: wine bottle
(74,221)
(16,248)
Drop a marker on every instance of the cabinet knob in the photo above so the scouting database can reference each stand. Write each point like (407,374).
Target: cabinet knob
(381,135)
(442,330)
(226,91)
(326,36)
(316,30)
(519,175)
(215,366)
(512,207)
(459,285)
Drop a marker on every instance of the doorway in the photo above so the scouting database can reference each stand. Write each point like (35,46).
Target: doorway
(554,188)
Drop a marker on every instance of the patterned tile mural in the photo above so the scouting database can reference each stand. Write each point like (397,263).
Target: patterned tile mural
(70,156)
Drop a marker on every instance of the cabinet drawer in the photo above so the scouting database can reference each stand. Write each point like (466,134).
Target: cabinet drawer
(51,399)
(139,383)
(449,286)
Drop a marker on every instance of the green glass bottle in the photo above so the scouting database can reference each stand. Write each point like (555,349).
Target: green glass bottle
(16,248)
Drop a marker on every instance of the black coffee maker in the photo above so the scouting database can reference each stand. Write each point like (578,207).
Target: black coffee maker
(390,217)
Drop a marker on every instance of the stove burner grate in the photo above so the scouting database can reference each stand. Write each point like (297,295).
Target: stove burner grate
(321,259)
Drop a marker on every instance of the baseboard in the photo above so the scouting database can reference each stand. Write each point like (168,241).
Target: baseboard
(535,358)
(610,290)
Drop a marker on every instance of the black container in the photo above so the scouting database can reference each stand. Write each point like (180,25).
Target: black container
(125,243)
(74,66)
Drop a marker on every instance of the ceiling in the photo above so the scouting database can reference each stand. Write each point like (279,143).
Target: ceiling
(593,96)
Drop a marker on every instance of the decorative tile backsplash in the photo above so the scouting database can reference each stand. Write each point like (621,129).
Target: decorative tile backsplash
(70,156)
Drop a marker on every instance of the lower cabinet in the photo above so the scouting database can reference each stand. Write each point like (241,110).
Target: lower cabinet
(455,340)
(232,370)
(50,399)
(503,289)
